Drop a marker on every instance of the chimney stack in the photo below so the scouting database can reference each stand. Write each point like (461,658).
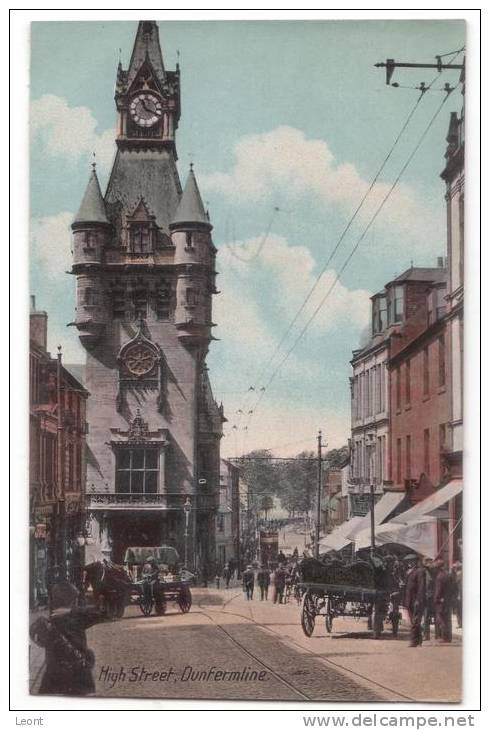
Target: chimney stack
(38,326)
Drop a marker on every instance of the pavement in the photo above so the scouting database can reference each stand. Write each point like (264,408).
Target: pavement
(229,648)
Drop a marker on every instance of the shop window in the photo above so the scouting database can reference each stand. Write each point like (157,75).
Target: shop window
(137,471)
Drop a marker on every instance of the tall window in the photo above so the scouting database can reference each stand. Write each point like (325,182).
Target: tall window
(137,471)
(425,367)
(380,314)
(139,238)
(442,360)
(191,297)
(398,461)
(408,457)
(461,239)
(407,383)
(398,304)
(378,388)
(442,447)
(140,299)
(383,380)
(398,386)
(427,451)
(164,297)
(188,240)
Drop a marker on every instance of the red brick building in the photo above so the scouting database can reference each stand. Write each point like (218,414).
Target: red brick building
(57,430)
(420,394)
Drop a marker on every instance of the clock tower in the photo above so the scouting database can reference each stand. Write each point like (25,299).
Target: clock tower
(144,262)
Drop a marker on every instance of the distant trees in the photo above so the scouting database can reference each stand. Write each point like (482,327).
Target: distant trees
(293,482)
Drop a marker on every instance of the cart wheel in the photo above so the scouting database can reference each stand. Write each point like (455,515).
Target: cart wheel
(185,601)
(308,614)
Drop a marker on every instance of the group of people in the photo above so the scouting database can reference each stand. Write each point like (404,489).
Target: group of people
(432,594)
(278,579)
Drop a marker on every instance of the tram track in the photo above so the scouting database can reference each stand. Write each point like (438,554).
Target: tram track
(372,684)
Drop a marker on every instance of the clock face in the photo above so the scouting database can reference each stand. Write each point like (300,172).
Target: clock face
(140,359)
(145,109)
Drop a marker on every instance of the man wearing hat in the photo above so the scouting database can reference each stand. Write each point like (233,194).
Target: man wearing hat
(248,582)
(68,659)
(443,595)
(149,575)
(429,596)
(415,598)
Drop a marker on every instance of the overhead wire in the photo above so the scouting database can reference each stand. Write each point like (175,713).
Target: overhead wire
(353,251)
(423,91)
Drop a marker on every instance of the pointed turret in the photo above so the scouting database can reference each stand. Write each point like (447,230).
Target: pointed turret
(191,209)
(146,48)
(92,208)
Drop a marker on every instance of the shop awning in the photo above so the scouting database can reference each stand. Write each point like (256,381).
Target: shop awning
(382,509)
(337,539)
(419,536)
(433,506)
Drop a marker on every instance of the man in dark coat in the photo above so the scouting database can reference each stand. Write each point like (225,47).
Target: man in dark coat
(248,582)
(443,595)
(263,579)
(227,575)
(415,599)
(278,585)
(429,595)
(68,659)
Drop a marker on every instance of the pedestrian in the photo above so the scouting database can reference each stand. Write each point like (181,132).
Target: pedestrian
(263,579)
(443,597)
(429,598)
(415,597)
(227,575)
(218,578)
(457,576)
(248,582)
(278,584)
(69,661)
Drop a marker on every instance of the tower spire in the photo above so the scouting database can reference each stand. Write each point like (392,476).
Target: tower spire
(191,208)
(146,48)
(92,208)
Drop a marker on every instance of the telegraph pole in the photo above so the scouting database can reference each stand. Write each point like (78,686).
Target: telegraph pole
(390,64)
(318,495)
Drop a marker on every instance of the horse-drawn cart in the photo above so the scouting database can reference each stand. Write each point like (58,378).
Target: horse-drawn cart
(360,590)
(115,586)
(168,587)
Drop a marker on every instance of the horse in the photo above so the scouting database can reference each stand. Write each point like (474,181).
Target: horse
(110,585)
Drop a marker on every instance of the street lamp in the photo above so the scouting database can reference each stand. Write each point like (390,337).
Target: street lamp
(187,511)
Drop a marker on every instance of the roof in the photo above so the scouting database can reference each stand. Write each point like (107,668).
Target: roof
(151,175)
(422,274)
(146,47)
(191,208)
(92,208)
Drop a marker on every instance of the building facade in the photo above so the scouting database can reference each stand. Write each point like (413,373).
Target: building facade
(144,262)
(453,177)
(371,444)
(228,516)
(57,428)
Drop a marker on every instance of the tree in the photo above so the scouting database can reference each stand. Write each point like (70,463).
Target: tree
(336,458)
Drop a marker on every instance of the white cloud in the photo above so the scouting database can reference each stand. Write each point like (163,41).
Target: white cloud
(263,285)
(285,161)
(70,132)
(51,242)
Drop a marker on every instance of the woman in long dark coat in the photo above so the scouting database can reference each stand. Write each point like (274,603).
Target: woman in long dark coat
(68,659)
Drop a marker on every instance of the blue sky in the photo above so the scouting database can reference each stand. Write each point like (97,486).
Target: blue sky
(290,115)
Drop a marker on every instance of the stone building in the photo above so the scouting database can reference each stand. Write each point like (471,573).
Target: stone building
(144,262)
(57,429)
(228,516)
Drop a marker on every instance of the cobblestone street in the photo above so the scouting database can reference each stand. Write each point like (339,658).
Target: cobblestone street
(181,655)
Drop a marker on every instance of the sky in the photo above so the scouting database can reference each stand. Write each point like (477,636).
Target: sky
(287,124)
